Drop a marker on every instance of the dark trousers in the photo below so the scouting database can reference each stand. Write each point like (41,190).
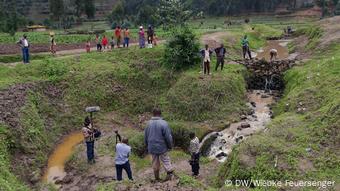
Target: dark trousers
(126,42)
(99,47)
(246,51)
(126,167)
(195,165)
(90,151)
(150,39)
(220,60)
(206,67)
(25,55)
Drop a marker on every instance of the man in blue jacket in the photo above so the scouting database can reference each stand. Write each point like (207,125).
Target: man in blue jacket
(158,141)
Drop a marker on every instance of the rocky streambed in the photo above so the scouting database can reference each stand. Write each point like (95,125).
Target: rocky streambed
(220,144)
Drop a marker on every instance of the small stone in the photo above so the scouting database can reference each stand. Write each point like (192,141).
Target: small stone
(264,96)
(221,154)
(35,177)
(308,149)
(245,125)
(253,104)
(238,139)
(243,117)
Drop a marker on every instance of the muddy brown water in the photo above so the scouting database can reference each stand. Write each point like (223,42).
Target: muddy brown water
(56,162)
(279,45)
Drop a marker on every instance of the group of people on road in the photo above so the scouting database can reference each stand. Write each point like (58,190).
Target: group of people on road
(116,40)
(158,142)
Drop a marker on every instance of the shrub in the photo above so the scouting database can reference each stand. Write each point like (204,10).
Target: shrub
(137,144)
(182,50)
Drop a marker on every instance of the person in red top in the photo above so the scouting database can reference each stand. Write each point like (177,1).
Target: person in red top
(104,42)
(118,34)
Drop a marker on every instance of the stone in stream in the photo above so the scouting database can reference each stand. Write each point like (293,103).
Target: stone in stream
(253,104)
(221,154)
(264,96)
(243,117)
(251,112)
(238,139)
(245,125)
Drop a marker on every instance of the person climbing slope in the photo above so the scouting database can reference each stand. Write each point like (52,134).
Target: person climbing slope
(158,141)
(123,151)
(194,149)
(245,47)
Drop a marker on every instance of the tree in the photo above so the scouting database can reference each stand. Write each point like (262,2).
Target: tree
(89,8)
(182,50)
(173,13)
(57,9)
(79,7)
(337,8)
(118,13)
(9,18)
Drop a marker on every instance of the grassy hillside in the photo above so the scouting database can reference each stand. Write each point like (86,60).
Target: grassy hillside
(302,142)
(130,82)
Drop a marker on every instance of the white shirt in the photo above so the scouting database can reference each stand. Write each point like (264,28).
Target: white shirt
(122,153)
(273,50)
(25,42)
(206,55)
(194,147)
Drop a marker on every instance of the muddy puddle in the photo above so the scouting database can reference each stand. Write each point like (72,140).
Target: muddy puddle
(56,162)
(279,45)
(259,103)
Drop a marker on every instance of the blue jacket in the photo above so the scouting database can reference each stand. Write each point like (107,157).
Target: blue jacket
(157,136)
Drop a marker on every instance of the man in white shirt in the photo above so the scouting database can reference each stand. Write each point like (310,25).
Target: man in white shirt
(24,44)
(206,53)
(123,151)
(194,149)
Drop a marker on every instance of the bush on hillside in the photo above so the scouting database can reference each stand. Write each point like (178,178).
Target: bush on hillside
(137,144)
(182,50)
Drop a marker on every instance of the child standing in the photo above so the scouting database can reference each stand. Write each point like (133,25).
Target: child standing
(194,149)
(104,42)
(123,151)
(112,42)
(88,46)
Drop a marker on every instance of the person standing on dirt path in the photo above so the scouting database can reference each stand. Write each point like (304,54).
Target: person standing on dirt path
(245,47)
(98,42)
(150,32)
(141,36)
(220,53)
(118,34)
(88,46)
(88,132)
(24,44)
(53,44)
(126,37)
(206,55)
(194,149)
(123,151)
(158,141)
(105,41)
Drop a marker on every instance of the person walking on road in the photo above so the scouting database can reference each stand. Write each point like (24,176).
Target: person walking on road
(150,32)
(53,44)
(206,55)
(141,36)
(123,151)
(245,47)
(24,45)
(98,42)
(194,149)
(118,34)
(126,37)
(220,54)
(158,141)
(88,132)
(105,42)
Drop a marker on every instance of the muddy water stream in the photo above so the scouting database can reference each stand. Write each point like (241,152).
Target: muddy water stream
(56,162)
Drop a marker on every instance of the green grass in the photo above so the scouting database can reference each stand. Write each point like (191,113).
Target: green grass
(313,85)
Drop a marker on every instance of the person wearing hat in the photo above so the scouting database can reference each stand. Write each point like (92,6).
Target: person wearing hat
(24,44)
(141,37)
(52,44)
